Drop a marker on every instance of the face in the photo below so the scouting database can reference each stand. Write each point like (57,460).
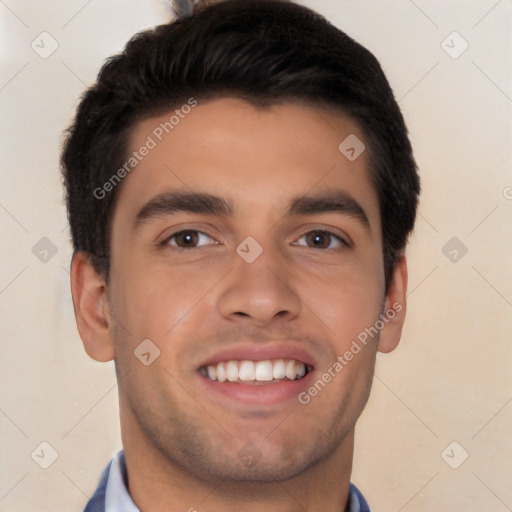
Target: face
(245,237)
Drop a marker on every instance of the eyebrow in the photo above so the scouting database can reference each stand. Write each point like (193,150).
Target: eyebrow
(193,202)
(168,203)
(331,201)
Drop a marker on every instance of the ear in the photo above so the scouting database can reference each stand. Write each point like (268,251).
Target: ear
(89,292)
(395,307)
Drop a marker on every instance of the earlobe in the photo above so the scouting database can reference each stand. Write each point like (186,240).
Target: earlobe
(89,293)
(395,308)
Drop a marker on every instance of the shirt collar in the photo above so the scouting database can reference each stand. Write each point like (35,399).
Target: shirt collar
(117,498)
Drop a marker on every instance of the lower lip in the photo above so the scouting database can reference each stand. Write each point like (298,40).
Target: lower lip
(261,394)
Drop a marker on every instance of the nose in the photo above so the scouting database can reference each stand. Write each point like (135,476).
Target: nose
(259,292)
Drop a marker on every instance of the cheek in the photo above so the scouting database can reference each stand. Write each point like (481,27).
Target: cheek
(346,303)
(342,386)
(154,301)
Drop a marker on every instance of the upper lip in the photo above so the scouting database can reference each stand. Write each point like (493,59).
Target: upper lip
(260,352)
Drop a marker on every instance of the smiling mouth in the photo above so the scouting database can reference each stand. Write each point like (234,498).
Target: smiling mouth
(256,372)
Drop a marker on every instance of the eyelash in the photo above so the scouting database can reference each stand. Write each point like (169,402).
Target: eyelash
(167,241)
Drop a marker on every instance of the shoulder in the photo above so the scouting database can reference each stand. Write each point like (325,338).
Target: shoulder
(357,500)
(97,501)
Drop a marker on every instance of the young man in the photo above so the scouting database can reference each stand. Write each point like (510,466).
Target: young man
(240,189)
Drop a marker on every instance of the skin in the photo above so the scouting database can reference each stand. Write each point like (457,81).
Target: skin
(181,443)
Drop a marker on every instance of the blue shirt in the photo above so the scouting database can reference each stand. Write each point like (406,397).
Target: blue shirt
(112,494)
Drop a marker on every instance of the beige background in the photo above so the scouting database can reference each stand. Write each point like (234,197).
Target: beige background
(449,380)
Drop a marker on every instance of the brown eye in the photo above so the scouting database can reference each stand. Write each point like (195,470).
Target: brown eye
(320,239)
(188,238)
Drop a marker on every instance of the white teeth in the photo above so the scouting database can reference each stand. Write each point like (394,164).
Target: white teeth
(279,369)
(290,370)
(221,372)
(232,371)
(212,372)
(256,371)
(247,371)
(264,370)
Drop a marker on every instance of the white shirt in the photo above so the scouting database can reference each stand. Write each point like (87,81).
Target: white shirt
(117,498)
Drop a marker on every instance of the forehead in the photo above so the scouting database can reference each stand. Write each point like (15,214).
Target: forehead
(258,158)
